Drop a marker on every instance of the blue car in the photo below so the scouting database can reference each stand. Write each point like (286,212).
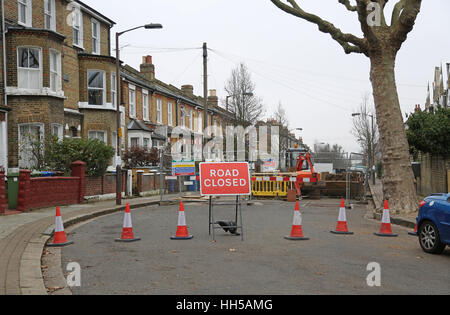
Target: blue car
(433,223)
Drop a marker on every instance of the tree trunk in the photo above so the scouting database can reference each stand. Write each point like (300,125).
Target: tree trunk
(398,178)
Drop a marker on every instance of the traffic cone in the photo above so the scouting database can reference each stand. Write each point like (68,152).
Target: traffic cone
(182,231)
(386,229)
(341,227)
(59,237)
(127,230)
(297,230)
(413,233)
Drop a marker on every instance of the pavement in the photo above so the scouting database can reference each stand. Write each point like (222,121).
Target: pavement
(23,237)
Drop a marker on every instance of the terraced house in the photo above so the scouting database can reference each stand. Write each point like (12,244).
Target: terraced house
(58,79)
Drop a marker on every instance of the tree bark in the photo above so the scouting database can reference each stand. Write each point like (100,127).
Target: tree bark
(398,178)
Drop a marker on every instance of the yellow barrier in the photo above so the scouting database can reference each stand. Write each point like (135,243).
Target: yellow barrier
(270,188)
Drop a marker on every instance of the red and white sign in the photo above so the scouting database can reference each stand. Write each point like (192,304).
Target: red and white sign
(219,179)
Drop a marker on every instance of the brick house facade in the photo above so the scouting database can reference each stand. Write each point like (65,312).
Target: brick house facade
(61,81)
(53,48)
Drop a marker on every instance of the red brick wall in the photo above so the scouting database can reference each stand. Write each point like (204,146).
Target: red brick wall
(53,191)
(103,185)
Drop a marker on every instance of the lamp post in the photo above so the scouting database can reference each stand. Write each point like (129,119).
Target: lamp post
(118,101)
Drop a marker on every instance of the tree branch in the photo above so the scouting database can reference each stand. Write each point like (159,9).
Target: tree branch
(398,8)
(350,42)
(348,5)
(404,24)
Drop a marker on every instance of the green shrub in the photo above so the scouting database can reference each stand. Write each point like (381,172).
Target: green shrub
(96,154)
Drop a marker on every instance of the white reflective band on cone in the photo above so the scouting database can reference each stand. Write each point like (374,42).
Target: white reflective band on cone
(181,219)
(342,216)
(386,218)
(59,225)
(297,218)
(127,220)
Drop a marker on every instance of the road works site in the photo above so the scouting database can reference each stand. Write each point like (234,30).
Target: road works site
(259,261)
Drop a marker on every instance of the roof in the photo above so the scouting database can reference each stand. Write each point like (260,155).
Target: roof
(94,12)
(138,125)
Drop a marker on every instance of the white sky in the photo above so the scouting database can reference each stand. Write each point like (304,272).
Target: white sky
(290,60)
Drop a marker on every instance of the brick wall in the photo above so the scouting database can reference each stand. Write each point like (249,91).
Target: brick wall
(103,185)
(51,191)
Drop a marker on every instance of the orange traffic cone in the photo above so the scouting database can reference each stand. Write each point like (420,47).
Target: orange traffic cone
(341,227)
(182,231)
(386,229)
(297,230)
(127,230)
(413,233)
(59,237)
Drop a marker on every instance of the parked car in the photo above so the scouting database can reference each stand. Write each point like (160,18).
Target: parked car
(433,223)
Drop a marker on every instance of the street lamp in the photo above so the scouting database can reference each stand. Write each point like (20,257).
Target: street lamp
(371,154)
(118,92)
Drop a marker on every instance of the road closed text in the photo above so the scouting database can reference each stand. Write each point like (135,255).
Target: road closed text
(224,179)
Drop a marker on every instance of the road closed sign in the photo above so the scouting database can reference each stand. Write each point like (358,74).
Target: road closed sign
(220,179)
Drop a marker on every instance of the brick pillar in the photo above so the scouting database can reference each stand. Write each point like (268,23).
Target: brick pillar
(140,179)
(79,170)
(24,196)
(2,193)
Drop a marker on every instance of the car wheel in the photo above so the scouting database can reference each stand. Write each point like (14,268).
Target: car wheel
(429,238)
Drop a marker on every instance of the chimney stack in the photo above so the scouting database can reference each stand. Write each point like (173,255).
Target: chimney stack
(147,68)
(187,89)
(212,98)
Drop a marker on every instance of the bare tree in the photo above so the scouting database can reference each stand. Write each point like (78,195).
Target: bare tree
(365,130)
(380,43)
(244,104)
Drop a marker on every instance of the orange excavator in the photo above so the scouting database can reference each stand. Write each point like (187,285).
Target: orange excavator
(308,180)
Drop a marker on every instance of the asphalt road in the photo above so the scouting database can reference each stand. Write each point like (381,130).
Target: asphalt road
(264,263)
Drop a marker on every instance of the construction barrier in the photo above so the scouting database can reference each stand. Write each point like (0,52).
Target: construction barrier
(272,186)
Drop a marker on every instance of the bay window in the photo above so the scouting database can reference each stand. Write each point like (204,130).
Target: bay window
(96,87)
(29,68)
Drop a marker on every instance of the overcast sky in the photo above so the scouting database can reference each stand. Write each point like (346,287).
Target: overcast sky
(290,60)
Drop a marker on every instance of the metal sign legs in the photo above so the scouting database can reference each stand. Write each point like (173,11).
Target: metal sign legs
(228,226)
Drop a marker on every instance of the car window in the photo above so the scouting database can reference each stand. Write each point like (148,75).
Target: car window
(448,199)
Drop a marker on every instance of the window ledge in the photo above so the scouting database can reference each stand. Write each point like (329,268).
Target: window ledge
(107,106)
(11,90)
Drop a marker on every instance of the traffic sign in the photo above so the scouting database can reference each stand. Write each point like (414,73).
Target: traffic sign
(223,179)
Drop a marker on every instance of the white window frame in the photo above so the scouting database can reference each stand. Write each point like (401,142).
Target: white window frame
(77,25)
(190,119)
(159,110)
(145,106)
(182,116)
(95,40)
(113,89)
(26,5)
(95,88)
(50,15)
(149,141)
(21,70)
(59,130)
(137,139)
(199,122)
(92,134)
(27,160)
(169,114)
(132,100)
(55,74)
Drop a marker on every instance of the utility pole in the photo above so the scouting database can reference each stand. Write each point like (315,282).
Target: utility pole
(205,86)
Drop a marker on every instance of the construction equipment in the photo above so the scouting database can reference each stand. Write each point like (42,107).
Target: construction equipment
(300,176)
